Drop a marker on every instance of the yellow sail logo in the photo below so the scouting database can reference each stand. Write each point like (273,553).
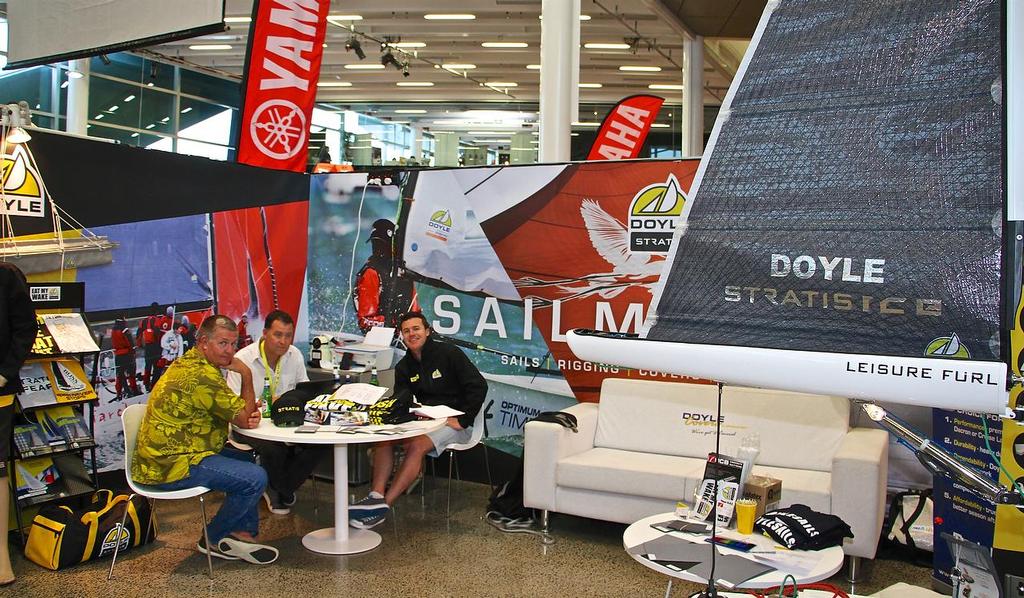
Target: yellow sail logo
(652,216)
(22,189)
(947,346)
(659,199)
(440,225)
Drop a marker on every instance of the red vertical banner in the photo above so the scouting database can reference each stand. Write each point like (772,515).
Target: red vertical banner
(261,252)
(625,128)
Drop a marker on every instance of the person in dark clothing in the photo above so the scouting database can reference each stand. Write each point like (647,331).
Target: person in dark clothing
(436,373)
(17,335)
(382,294)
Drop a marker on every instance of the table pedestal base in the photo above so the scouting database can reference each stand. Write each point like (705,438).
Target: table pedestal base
(324,542)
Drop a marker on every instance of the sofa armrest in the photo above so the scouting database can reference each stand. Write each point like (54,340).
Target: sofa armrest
(860,470)
(545,444)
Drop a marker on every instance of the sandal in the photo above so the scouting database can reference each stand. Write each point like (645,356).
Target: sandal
(250,552)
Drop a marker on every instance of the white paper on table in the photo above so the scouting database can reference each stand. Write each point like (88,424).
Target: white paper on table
(790,561)
(358,392)
(436,411)
(70,333)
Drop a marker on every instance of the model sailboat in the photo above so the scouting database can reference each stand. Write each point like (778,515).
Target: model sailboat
(846,233)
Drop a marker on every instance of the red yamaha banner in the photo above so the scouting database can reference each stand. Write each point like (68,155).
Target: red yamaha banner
(625,128)
(282,69)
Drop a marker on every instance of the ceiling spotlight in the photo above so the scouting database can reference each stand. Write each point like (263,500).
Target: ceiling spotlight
(354,45)
(389,58)
(405,69)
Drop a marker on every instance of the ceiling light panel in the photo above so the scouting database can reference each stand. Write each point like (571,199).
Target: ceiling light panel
(449,17)
(635,68)
(505,45)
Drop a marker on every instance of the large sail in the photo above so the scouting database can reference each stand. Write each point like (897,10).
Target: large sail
(845,227)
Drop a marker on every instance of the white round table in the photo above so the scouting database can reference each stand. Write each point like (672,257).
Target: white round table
(340,539)
(829,560)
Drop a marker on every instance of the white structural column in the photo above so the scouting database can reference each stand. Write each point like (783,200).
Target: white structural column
(557,87)
(446,149)
(693,96)
(523,150)
(1015,109)
(78,97)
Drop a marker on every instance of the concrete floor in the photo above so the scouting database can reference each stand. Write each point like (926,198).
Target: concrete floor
(422,555)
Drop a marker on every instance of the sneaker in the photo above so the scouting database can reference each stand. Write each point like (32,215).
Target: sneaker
(275,504)
(201,547)
(250,552)
(368,519)
(287,500)
(370,503)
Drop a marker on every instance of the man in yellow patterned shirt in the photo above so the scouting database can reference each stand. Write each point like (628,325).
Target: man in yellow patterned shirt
(181,440)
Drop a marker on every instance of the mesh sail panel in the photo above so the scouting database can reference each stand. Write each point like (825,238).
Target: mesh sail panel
(852,201)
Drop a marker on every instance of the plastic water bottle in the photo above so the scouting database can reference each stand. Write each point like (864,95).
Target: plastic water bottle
(265,398)
(373,377)
(337,373)
(750,448)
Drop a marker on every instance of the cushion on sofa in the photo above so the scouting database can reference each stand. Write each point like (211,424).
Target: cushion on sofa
(797,430)
(651,417)
(629,472)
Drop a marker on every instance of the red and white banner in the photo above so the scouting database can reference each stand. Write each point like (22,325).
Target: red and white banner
(260,253)
(282,69)
(625,128)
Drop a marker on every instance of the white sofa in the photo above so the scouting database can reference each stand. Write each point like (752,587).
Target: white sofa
(644,446)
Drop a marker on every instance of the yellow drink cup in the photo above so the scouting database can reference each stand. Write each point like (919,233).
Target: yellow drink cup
(746,509)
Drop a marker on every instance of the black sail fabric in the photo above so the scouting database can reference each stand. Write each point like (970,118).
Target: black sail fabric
(852,200)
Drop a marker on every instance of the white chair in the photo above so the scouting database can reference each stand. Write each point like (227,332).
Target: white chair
(131,419)
(474,439)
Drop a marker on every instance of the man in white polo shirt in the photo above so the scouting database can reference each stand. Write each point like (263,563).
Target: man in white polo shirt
(277,364)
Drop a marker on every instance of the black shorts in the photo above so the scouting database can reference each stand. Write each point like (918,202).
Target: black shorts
(6,423)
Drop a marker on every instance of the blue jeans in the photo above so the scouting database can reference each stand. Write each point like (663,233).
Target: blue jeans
(242,482)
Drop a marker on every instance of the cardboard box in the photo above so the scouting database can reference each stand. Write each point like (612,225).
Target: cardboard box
(766,491)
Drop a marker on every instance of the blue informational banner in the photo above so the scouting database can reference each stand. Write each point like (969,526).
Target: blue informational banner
(957,510)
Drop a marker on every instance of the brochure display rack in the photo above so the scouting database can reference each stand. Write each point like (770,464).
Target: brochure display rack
(53,427)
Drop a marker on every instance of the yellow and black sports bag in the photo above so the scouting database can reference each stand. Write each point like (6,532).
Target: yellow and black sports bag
(61,537)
